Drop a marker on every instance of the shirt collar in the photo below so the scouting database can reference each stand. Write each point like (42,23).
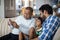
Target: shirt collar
(48,17)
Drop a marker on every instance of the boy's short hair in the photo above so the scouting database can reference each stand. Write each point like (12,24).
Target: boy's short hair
(40,19)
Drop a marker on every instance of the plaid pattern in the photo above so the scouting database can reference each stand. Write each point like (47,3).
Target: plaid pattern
(50,26)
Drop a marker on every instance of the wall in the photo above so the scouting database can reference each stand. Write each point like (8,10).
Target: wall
(2,9)
(10,10)
(41,2)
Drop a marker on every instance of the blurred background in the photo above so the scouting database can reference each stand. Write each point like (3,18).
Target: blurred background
(13,8)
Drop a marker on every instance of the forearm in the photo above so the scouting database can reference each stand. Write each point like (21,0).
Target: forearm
(20,36)
(31,33)
(14,24)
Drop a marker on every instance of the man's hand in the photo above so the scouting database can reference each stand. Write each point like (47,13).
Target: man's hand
(13,23)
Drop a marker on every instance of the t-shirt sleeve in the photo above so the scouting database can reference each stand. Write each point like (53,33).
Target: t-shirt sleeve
(18,20)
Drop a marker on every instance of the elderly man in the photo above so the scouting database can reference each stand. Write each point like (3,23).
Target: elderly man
(24,24)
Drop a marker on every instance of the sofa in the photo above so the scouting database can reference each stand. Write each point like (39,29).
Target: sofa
(5,29)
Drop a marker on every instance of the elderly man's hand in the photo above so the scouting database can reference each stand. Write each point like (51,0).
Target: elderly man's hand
(13,23)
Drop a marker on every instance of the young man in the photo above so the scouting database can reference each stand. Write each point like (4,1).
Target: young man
(50,25)
(24,24)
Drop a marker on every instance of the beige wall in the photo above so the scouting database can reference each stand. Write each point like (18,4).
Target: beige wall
(41,2)
(2,9)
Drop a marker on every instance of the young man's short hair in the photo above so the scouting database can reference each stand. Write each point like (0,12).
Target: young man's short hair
(46,7)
